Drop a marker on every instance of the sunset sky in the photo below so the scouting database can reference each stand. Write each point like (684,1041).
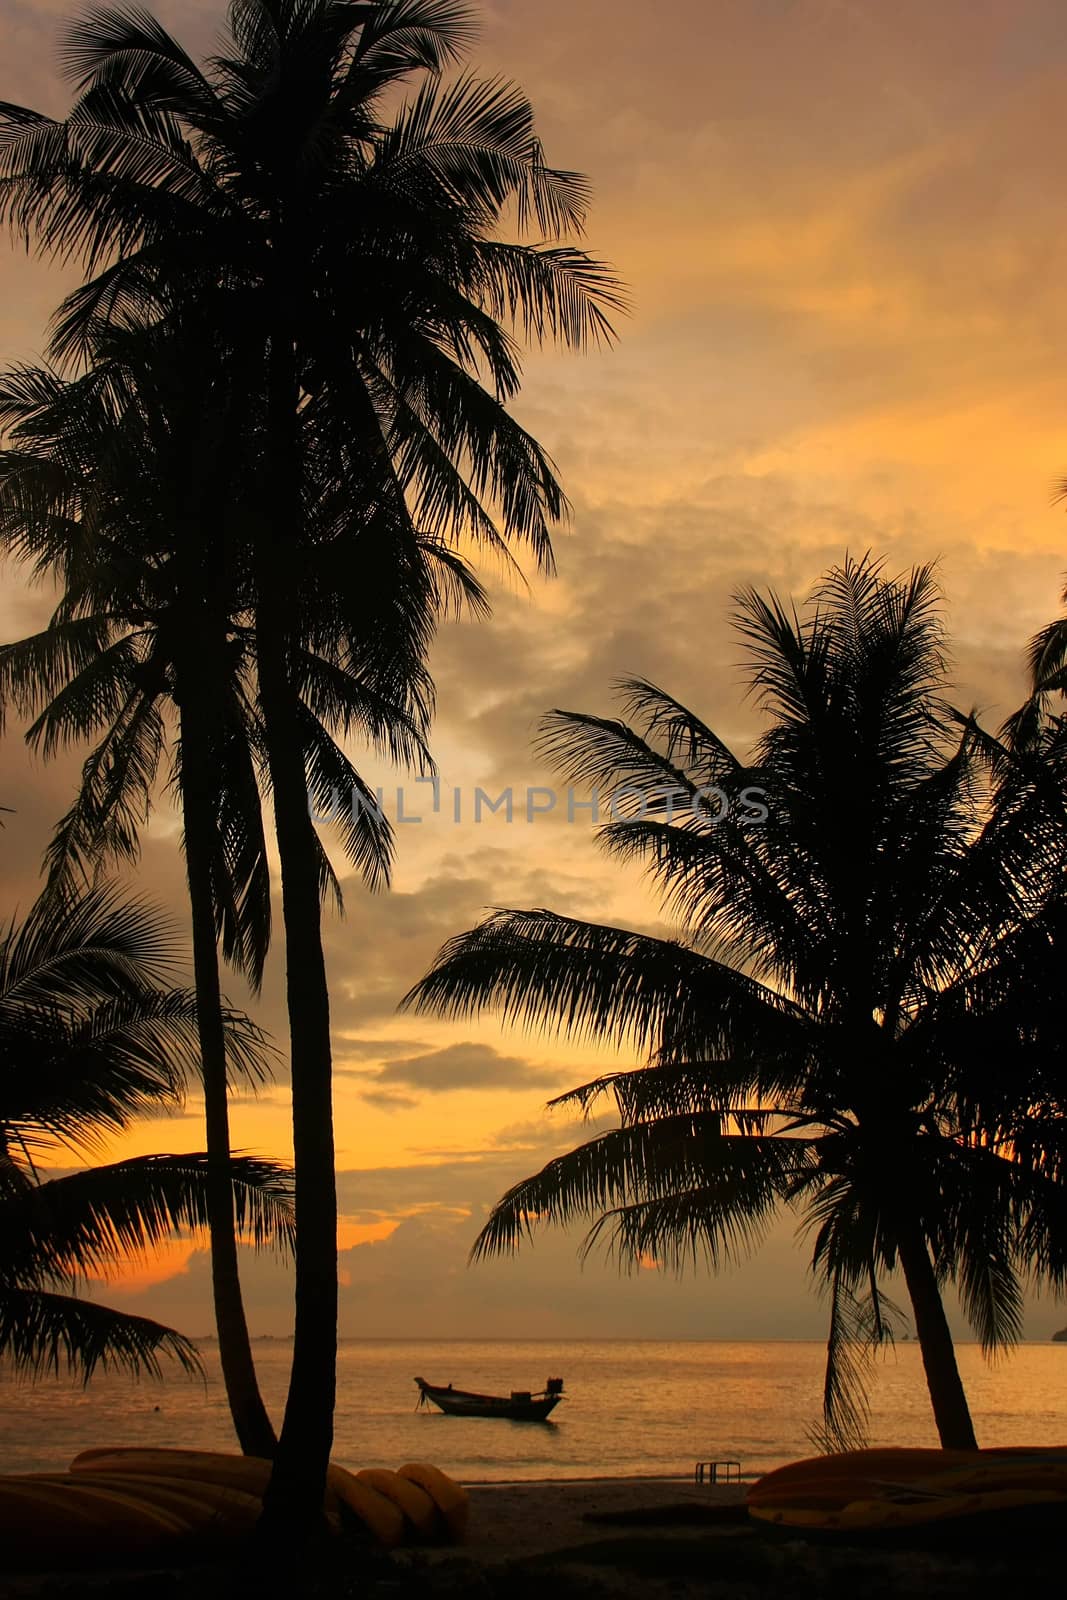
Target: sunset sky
(841,226)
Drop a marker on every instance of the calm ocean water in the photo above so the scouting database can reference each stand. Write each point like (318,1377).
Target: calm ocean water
(632,1407)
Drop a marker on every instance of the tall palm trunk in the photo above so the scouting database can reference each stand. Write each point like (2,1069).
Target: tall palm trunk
(255,1433)
(293,1502)
(294,1499)
(951,1412)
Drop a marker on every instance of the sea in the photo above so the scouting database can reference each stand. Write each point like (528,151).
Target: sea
(632,1408)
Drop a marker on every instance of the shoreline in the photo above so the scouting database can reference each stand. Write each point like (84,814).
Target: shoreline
(596,1477)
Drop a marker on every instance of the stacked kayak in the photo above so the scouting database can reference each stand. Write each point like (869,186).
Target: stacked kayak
(874,1491)
(115,1505)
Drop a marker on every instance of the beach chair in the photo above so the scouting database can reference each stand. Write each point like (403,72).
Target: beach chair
(726,1470)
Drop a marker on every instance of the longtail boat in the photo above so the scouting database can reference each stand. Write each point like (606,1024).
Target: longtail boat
(519,1406)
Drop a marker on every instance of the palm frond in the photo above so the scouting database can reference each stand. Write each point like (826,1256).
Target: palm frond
(49,1333)
(551,292)
(558,974)
(859,1325)
(98,947)
(673,1190)
(406,36)
(90,1222)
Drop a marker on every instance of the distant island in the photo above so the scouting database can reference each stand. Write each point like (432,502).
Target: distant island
(1061,1337)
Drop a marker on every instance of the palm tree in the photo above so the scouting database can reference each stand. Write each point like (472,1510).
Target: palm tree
(1047,663)
(369,280)
(826,1031)
(1024,1095)
(92,499)
(96,492)
(88,1042)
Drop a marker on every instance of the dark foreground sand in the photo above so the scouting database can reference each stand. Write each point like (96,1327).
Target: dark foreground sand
(616,1539)
(654,1539)
(527,1519)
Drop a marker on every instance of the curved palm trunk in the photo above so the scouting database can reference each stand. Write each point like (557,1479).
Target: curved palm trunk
(255,1433)
(951,1412)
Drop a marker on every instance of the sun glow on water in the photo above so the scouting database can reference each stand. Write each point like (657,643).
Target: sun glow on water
(645,1408)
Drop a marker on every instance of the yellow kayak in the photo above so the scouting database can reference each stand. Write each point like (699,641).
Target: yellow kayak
(116,1504)
(875,1490)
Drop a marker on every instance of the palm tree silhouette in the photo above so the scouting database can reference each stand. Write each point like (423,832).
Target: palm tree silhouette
(1037,719)
(368,282)
(152,635)
(90,1041)
(830,1030)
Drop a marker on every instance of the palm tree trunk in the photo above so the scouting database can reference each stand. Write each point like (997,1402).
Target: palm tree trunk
(293,1502)
(255,1433)
(951,1412)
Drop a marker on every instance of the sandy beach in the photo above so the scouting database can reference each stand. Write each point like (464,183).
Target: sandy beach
(601,1539)
(516,1529)
(518,1520)
(672,1539)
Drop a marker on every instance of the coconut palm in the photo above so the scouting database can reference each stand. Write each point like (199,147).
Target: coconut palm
(826,1031)
(1024,1092)
(152,632)
(1047,663)
(89,1041)
(1041,712)
(370,281)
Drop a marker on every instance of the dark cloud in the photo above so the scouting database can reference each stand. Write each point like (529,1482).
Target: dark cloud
(465,1066)
(388,1099)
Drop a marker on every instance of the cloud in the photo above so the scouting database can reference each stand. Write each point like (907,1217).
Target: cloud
(466,1066)
(462,1182)
(417,1222)
(388,1099)
(355,1045)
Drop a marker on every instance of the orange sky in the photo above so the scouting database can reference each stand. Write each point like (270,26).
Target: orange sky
(840,220)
